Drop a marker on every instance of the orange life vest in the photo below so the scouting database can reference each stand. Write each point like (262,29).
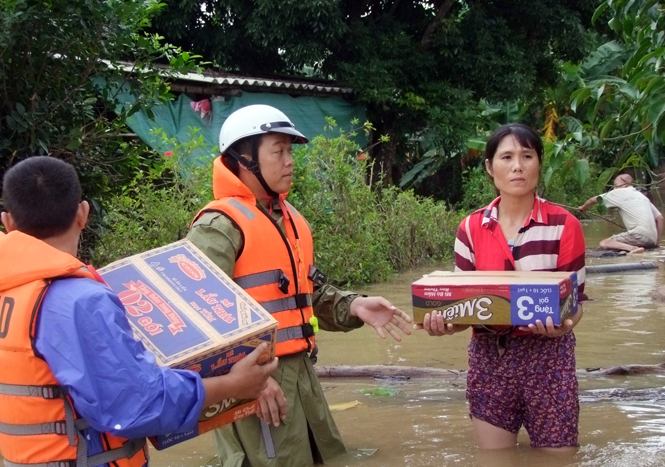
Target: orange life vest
(38,424)
(276,268)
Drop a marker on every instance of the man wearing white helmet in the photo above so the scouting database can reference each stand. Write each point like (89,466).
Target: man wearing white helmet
(264,243)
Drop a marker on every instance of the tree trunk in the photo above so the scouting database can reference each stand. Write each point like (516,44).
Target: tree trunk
(384,154)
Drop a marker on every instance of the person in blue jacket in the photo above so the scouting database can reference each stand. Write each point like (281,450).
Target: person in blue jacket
(83,336)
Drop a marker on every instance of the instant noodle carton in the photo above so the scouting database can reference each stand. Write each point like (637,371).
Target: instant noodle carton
(496,297)
(191,316)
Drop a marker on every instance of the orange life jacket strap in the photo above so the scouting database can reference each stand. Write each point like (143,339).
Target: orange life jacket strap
(47,428)
(47,392)
(127,451)
(69,427)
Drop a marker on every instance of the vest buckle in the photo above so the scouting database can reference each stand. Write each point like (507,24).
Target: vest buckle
(51,392)
(283,282)
(60,428)
(317,276)
(307,330)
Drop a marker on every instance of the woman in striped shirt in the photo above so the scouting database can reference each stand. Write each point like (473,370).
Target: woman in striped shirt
(526,375)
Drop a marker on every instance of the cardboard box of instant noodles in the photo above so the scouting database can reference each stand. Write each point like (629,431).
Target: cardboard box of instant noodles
(191,316)
(496,297)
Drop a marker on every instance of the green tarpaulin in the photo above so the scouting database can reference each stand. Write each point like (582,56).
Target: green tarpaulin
(177,119)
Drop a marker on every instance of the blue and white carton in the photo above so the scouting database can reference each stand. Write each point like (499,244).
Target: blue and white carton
(191,315)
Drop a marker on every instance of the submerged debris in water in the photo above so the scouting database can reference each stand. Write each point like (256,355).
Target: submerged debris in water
(363,452)
(399,378)
(380,392)
(345,406)
(623,395)
(601,253)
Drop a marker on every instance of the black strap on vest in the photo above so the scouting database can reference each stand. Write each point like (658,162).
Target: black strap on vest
(275,276)
(295,332)
(301,300)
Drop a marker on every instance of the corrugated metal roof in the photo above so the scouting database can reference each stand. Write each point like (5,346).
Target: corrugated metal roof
(231,80)
(223,79)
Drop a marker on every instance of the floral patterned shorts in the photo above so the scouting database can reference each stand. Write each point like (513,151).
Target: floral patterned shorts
(532,384)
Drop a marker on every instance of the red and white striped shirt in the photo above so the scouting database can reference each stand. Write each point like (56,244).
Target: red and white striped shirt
(550,240)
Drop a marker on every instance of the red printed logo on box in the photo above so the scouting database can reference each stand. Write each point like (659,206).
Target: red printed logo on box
(189,267)
(565,288)
(135,306)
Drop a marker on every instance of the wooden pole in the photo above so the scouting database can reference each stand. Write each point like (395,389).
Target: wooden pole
(591,213)
(408,372)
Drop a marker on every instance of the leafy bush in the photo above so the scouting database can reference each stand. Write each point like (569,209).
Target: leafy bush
(419,230)
(568,176)
(67,89)
(478,189)
(156,207)
(361,235)
(331,192)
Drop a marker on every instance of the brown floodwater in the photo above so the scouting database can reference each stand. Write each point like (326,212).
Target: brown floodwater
(424,422)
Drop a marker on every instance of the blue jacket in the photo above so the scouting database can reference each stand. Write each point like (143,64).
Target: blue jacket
(114,382)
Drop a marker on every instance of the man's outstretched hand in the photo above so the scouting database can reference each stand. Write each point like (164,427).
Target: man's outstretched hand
(381,315)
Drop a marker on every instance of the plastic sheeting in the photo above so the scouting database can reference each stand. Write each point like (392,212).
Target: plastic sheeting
(178,119)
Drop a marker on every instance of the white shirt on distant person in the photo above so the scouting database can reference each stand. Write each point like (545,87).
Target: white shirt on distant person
(637,212)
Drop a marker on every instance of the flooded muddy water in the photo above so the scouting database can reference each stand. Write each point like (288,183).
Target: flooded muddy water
(425,422)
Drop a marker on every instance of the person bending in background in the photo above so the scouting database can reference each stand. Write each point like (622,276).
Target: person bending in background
(643,221)
(521,376)
(76,388)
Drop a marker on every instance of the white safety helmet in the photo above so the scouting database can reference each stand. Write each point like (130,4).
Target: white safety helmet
(255,120)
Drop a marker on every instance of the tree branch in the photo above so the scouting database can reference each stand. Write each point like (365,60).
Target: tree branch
(434,25)
(393,8)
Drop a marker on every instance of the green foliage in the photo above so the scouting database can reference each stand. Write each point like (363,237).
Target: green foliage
(156,207)
(575,180)
(421,68)
(419,230)
(361,235)
(478,188)
(620,87)
(331,192)
(64,83)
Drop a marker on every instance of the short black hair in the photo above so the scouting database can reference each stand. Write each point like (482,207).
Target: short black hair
(526,136)
(244,146)
(42,194)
